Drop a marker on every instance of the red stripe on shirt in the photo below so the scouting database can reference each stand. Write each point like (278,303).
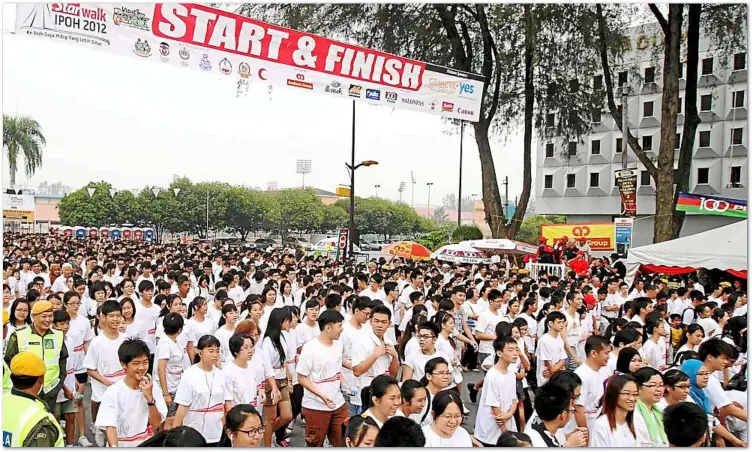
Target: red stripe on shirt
(330,379)
(140,436)
(213,409)
(79,348)
(119,373)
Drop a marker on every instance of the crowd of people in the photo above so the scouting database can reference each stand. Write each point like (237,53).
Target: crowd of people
(207,344)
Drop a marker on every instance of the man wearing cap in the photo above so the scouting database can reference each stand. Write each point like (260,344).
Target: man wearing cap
(47,344)
(27,422)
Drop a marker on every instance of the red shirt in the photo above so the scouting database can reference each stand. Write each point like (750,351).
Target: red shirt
(579,266)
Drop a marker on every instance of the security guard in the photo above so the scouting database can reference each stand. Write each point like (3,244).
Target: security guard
(26,420)
(47,344)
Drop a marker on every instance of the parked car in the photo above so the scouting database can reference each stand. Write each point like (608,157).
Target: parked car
(330,245)
(370,246)
(299,242)
(265,243)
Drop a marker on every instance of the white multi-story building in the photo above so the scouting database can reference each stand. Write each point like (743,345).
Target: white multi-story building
(576,178)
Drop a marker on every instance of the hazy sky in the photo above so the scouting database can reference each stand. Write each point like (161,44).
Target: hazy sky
(135,123)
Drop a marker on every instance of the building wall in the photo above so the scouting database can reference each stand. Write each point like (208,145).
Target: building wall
(595,157)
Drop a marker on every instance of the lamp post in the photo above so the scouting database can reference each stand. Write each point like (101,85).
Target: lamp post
(401,190)
(351,167)
(377,189)
(429,198)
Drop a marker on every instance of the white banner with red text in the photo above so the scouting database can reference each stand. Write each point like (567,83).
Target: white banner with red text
(192,36)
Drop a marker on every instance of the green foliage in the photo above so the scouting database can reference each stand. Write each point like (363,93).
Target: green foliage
(100,209)
(299,210)
(22,136)
(383,217)
(434,240)
(466,232)
(335,217)
(530,229)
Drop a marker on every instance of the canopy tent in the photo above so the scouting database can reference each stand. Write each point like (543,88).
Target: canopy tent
(723,248)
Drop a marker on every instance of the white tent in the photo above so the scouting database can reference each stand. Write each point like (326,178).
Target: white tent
(724,248)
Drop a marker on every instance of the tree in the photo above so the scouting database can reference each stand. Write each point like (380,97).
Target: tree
(100,209)
(163,212)
(530,229)
(22,136)
(250,210)
(335,217)
(439,214)
(450,202)
(465,232)
(299,210)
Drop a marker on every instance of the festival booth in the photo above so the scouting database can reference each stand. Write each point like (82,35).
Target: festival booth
(724,248)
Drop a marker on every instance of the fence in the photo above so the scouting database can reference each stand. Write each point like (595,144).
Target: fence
(537,269)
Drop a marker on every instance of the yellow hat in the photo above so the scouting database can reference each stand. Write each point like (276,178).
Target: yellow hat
(6,317)
(725,284)
(41,306)
(27,364)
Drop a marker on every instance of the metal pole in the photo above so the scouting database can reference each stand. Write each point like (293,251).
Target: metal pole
(624,126)
(352,186)
(207,214)
(459,197)
(506,196)
(377,189)
(429,198)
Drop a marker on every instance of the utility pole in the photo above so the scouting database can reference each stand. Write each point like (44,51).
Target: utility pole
(377,189)
(412,192)
(506,196)
(624,126)
(352,189)
(429,198)
(401,189)
(459,197)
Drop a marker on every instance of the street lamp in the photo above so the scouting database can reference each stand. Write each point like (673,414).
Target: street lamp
(351,167)
(429,198)
(377,189)
(401,190)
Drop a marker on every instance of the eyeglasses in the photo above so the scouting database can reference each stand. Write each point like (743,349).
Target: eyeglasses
(654,386)
(442,374)
(682,387)
(253,431)
(449,417)
(426,337)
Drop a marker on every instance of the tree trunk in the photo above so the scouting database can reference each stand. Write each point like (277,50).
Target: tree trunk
(664,218)
(12,179)
(691,117)
(527,150)
(491,197)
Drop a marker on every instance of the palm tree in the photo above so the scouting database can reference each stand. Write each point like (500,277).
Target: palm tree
(22,136)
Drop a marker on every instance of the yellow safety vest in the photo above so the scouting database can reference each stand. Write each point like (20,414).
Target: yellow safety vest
(48,348)
(7,384)
(20,416)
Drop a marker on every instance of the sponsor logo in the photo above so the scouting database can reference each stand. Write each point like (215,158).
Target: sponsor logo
(225,66)
(205,64)
(443,86)
(416,102)
(75,9)
(244,70)
(68,21)
(129,17)
(298,83)
(184,54)
(354,90)
(465,112)
(390,96)
(164,49)
(334,87)
(142,48)
(373,94)
(467,90)
(447,106)
(719,205)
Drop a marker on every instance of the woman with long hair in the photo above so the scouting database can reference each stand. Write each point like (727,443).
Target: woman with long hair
(414,396)
(445,430)
(648,418)
(277,353)
(243,427)
(614,327)
(285,297)
(204,286)
(541,319)
(253,309)
(720,318)
(226,330)
(250,329)
(692,338)
(361,432)
(198,322)
(174,305)
(384,399)
(408,343)
(614,427)
(201,396)
(626,337)
(629,361)
(132,328)
(269,298)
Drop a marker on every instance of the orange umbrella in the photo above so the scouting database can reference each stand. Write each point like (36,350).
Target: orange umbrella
(408,250)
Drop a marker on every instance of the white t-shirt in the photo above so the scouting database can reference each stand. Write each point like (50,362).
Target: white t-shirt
(126,410)
(173,352)
(241,383)
(716,393)
(347,337)
(136,330)
(417,362)
(460,438)
(364,344)
(79,332)
(601,434)
(487,325)
(103,357)
(272,360)
(549,349)
(205,394)
(592,390)
(69,380)
(655,353)
(200,329)
(223,335)
(148,316)
(323,366)
(305,333)
(500,391)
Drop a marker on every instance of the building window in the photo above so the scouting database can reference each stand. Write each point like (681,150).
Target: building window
(647,109)
(618,145)
(644,178)
(549,150)
(737,135)
(595,179)
(595,147)
(548,181)
(647,143)
(707,66)
(598,83)
(572,149)
(736,176)
(740,61)
(706,102)
(703,175)
(679,105)
(597,115)
(550,120)
(705,139)
(570,180)
(737,99)
(622,78)
(649,75)
(678,141)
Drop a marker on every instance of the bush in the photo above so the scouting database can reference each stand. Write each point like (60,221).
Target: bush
(466,232)
(434,240)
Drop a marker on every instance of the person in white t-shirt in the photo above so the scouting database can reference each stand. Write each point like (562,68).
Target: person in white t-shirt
(240,375)
(101,361)
(78,339)
(648,420)
(132,409)
(654,350)
(198,324)
(277,353)
(498,401)
(147,313)
(593,373)
(373,354)
(445,430)
(202,396)
(308,329)
(485,334)
(415,363)
(170,361)
(225,331)
(553,408)
(319,370)
(619,403)
(550,352)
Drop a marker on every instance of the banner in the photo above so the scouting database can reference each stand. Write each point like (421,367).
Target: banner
(623,232)
(192,36)
(18,208)
(600,235)
(626,180)
(342,243)
(712,205)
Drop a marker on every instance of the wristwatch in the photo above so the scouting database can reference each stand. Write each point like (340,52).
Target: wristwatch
(151,403)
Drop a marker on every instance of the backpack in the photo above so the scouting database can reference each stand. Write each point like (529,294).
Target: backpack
(694,315)
(739,381)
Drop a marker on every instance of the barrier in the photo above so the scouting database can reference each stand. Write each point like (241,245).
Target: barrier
(537,269)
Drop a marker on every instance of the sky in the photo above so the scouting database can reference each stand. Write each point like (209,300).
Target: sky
(111,118)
